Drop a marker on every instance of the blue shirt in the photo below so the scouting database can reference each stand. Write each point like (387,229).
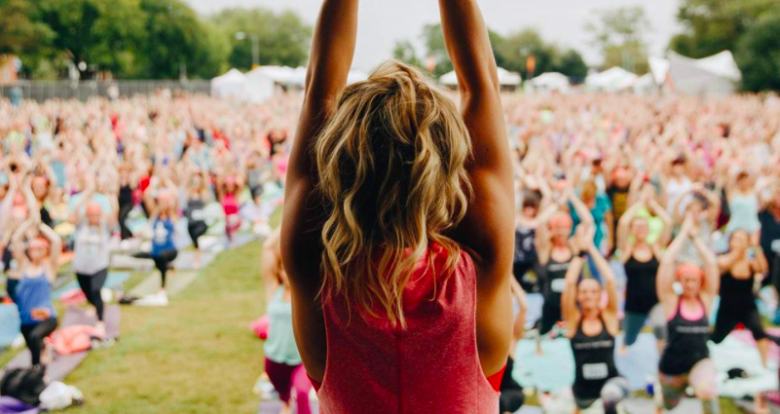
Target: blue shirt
(162,236)
(34,293)
(280,346)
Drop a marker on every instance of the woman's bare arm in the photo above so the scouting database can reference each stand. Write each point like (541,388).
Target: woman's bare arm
(487,229)
(331,58)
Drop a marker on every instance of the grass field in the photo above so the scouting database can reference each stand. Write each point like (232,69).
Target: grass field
(196,356)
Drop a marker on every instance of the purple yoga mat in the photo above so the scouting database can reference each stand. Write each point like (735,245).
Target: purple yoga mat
(62,365)
(274,407)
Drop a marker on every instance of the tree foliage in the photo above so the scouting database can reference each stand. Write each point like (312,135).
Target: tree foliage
(405,52)
(21,31)
(518,48)
(712,26)
(283,38)
(759,55)
(621,35)
(144,38)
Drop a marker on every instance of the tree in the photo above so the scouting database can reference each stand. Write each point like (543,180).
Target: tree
(759,55)
(405,52)
(101,33)
(433,38)
(178,43)
(283,38)
(572,65)
(516,49)
(21,32)
(620,34)
(712,26)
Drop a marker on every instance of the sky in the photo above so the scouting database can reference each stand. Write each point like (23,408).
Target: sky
(383,22)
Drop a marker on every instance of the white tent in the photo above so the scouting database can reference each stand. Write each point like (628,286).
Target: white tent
(551,81)
(505,78)
(259,86)
(659,67)
(714,75)
(230,85)
(615,79)
(646,84)
(296,77)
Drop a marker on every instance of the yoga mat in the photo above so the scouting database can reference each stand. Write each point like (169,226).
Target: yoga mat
(275,407)
(186,260)
(550,372)
(120,261)
(640,364)
(529,409)
(9,324)
(647,406)
(62,365)
(177,281)
(114,280)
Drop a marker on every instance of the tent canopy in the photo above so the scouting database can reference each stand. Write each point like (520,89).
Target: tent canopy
(505,78)
(552,81)
(714,75)
(611,80)
(251,87)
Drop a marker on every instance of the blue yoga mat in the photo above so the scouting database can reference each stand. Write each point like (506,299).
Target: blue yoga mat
(114,280)
(9,324)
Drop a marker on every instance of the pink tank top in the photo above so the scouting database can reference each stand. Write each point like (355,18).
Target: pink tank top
(432,366)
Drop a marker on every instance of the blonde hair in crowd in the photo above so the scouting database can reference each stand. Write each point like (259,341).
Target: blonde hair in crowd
(391,165)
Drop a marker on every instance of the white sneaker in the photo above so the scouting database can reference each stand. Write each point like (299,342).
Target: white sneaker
(158,300)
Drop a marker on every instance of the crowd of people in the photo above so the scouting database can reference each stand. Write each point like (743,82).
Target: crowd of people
(681,194)
(631,211)
(74,176)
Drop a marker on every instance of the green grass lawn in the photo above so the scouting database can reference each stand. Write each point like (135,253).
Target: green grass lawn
(196,356)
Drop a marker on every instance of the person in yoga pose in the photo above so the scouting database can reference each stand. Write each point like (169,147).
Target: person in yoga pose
(554,255)
(197,197)
(738,269)
(229,186)
(163,215)
(38,263)
(641,261)
(92,252)
(282,359)
(685,361)
(592,328)
(413,244)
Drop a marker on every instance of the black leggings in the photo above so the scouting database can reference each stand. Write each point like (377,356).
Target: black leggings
(197,229)
(161,261)
(34,335)
(124,213)
(91,285)
(730,316)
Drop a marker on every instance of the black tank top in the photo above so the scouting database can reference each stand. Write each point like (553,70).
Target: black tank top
(525,246)
(594,359)
(555,280)
(194,210)
(125,195)
(686,344)
(641,293)
(736,293)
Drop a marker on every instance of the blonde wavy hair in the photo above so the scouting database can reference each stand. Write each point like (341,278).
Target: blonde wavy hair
(391,165)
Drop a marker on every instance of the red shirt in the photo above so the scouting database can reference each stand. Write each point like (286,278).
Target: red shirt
(432,366)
